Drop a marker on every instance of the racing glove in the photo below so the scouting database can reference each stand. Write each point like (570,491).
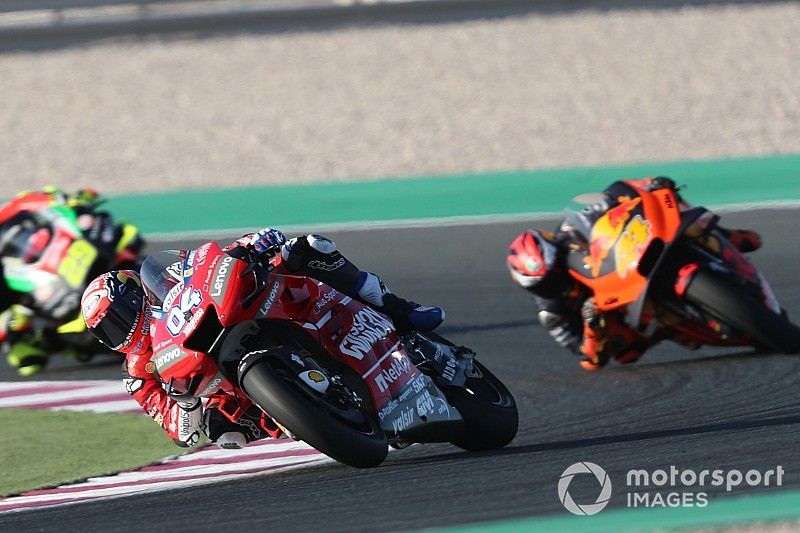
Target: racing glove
(267,240)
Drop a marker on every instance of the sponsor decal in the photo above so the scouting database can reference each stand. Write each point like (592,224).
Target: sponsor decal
(175,270)
(416,385)
(323,301)
(273,293)
(209,274)
(211,387)
(403,420)
(315,379)
(315,376)
(168,357)
(90,304)
(400,367)
(201,254)
(606,231)
(171,295)
(150,367)
(321,265)
(368,327)
(221,276)
(163,344)
(192,323)
(133,385)
(449,371)
(193,439)
(424,404)
(297,359)
(631,245)
(388,409)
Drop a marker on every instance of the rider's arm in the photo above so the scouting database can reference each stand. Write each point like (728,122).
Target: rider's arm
(181,421)
(562,321)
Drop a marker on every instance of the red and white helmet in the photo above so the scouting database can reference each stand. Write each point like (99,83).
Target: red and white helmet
(531,257)
(116,311)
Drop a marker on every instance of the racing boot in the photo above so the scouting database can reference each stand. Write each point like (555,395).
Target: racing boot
(27,358)
(407,316)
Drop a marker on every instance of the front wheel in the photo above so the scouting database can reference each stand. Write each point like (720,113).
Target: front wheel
(740,310)
(488,409)
(349,434)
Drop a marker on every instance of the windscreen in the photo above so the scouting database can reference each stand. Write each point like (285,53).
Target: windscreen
(160,272)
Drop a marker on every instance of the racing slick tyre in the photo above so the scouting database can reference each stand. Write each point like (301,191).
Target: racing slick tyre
(348,434)
(744,312)
(488,409)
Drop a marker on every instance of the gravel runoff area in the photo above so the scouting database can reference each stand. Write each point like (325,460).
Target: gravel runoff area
(540,90)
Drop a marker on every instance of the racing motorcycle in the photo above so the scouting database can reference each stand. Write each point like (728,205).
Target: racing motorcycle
(676,273)
(329,370)
(48,257)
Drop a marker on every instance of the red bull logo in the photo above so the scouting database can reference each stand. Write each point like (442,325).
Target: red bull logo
(632,245)
(605,233)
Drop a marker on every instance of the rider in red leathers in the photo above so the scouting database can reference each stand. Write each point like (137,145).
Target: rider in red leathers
(117,310)
(536,260)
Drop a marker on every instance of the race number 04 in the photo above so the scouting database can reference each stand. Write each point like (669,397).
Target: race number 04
(177,315)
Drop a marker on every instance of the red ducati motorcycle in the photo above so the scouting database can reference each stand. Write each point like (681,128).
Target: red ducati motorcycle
(676,272)
(330,370)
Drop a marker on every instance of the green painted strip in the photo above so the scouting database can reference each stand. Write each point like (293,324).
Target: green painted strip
(501,193)
(777,506)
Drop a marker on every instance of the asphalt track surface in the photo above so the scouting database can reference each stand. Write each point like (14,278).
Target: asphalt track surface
(701,410)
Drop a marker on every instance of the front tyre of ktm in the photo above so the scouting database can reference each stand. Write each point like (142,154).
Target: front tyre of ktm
(352,437)
(745,313)
(488,409)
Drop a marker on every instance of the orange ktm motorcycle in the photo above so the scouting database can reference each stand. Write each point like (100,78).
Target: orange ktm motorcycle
(675,274)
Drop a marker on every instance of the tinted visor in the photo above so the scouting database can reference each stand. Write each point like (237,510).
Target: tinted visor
(121,318)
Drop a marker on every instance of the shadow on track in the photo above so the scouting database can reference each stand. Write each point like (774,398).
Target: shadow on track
(609,439)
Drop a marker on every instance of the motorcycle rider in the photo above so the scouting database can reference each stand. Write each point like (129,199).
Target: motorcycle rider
(537,262)
(117,311)
(36,319)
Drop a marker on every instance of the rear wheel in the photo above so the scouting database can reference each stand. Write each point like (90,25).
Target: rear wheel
(489,411)
(745,313)
(336,427)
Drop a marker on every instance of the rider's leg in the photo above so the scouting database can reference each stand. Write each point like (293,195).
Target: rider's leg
(318,257)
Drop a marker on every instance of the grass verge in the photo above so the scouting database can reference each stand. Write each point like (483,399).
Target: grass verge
(45,448)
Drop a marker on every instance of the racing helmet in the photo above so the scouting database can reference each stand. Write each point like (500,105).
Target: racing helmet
(533,260)
(116,311)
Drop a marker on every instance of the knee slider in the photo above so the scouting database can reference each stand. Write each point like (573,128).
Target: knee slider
(371,288)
